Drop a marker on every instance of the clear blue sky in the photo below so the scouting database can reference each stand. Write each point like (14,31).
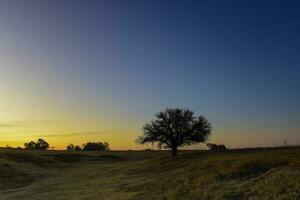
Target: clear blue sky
(108,66)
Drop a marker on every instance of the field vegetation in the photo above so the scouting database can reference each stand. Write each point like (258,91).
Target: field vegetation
(271,173)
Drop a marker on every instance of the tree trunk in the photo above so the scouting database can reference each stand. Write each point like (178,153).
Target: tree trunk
(174,151)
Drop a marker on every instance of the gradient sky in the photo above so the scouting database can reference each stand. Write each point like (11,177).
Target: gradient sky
(78,71)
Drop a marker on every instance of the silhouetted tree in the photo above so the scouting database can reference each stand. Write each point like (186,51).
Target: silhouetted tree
(42,144)
(173,128)
(77,148)
(70,147)
(39,144)
(216,147)
(30,145)
(99,146)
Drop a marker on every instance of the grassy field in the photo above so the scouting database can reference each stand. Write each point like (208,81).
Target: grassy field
(236,174)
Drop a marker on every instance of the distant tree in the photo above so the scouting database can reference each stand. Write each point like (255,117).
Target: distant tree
(222,147)
(173,128)
(216,147)
(30,145)
(106,146)
(211,146)
(39,144)
(77,148)
(99,146)
(42,144)
(70,147)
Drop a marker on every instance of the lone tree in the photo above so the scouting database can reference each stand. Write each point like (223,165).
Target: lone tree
(173,128)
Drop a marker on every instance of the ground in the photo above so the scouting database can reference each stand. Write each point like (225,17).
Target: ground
(150,175)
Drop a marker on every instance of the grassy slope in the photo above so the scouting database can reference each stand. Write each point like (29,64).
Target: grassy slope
(251,174)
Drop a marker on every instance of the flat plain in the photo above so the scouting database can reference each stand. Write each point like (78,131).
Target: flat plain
(270,173)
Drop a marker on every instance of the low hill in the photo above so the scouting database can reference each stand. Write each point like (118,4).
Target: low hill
(149,175)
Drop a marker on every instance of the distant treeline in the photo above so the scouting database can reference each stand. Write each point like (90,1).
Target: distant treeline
(90,146)
(216,147)
(41,144)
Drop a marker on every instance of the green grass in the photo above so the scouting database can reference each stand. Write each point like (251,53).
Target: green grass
(240,174)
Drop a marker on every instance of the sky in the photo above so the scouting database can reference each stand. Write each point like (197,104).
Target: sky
(78,71)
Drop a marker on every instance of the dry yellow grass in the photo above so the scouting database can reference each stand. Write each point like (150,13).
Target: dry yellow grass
(247,174)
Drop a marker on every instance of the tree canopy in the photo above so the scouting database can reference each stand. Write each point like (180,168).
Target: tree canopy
(174,128)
